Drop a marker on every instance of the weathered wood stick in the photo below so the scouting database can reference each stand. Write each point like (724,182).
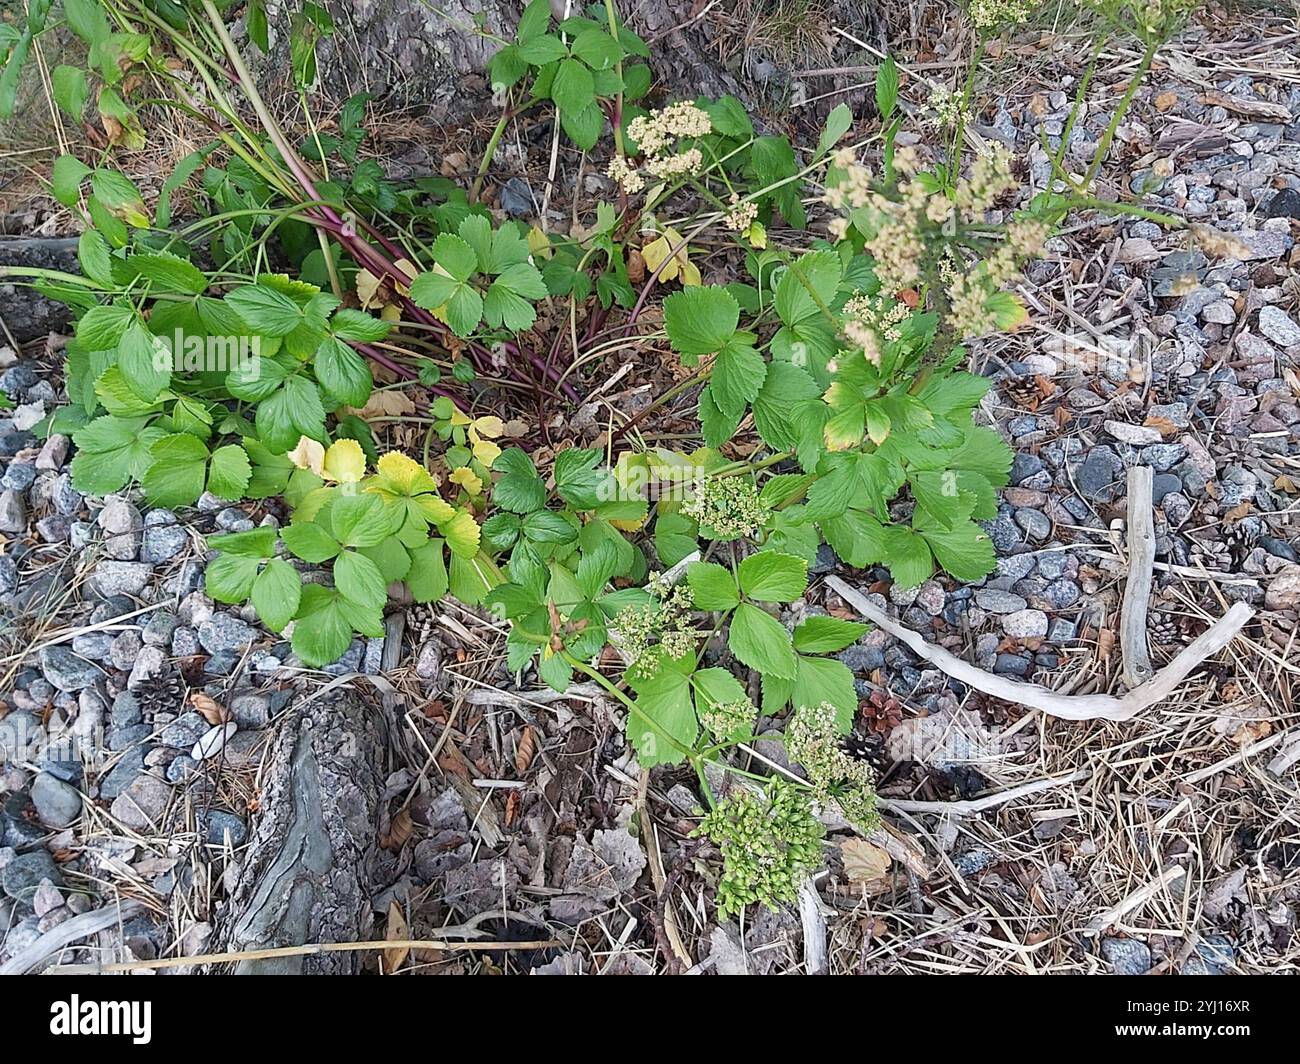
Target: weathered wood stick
(1069,707)
(1137,588)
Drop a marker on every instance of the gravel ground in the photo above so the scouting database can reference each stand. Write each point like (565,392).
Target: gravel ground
(1171,846)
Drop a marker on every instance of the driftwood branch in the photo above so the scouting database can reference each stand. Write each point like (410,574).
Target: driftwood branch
(1069,707)
(68,932)
(1137,588)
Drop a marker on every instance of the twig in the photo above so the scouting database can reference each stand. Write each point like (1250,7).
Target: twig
(1139,897)
(495,696)
(814,928)
(972,806)
(295,951)
(1287,756)
(1068,707)
(1137,588)
(1237,758)
(66,933)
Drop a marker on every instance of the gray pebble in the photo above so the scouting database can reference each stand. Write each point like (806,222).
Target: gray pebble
(13,512)
(1098,474)
(1000,602)
(163,538)
(1213,956)
(1037,526)
(1163,484)
(24,874)
(1012,665)
(218,823)
(1162,457)
(57,803)
(1025,624)
(66,670)
(158,631)
(120,523)
(126,711)
(184,731)
(120,578)
(1060,594)
(1062,630)
(224,632)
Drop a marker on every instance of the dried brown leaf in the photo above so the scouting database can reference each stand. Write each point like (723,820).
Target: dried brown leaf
(526,750)
(391,402)
(398,831)
(209,708)
(865,865)
(398,931)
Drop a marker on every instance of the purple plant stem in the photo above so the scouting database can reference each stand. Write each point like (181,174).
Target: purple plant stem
(373,260)
(404,372)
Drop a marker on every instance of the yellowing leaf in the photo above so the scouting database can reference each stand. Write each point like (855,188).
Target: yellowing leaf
(371,294)
(368,290)
(462,534)
(436,509)
(484,450)
(539,243)
(629,526)
(345,462)
(489,425)
(656,253)
(411,271)
(756,234)
(467,479)
(403,474)
(1007,310)
(309,454)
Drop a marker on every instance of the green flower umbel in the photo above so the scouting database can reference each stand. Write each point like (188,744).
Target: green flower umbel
(728,508)
(813,740)
(770,842)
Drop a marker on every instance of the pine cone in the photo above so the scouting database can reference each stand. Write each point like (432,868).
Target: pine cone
(996,710)
(1163,630)
(163,693)
(881,713)
(871,750)
(421,622)
(1025,392)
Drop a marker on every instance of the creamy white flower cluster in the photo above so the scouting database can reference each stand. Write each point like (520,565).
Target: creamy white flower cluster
(728,508)
(741,215)
(910,227)
(662,625)
(813,740)
(657,135)
(995,14)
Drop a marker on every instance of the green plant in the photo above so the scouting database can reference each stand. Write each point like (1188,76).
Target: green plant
(664,576)
(580,68)
(374,530)
(481,275)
